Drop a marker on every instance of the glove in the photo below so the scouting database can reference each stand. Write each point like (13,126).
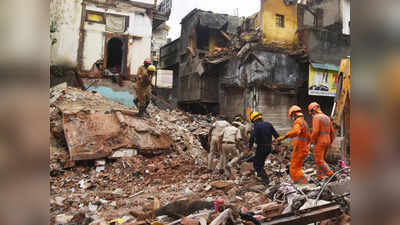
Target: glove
(279,139)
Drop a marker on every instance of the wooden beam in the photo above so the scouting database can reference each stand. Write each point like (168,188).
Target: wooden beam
(310,11)
(225,35)
(307,216)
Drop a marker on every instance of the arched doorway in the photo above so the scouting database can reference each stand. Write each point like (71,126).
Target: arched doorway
(115,54)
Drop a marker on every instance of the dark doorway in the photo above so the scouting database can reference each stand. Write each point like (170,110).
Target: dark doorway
(115,55)
(203,35)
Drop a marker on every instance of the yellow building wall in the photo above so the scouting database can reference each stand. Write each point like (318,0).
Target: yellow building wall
(283,37)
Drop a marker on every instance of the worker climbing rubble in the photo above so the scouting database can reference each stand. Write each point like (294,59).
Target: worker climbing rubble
(245,129)
(300,134)
(261,134)
(143,86)
(214,140)
(322,137)
(230,138)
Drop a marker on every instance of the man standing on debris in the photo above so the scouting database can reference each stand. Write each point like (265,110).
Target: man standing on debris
(230,148)
(262,134)
(300,133)
(214,140)
(322,137)
(143,86)
(243,132)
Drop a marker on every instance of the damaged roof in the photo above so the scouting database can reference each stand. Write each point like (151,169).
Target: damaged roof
(214,20)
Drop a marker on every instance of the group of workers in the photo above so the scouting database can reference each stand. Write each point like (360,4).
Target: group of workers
(144,77)
(230,140)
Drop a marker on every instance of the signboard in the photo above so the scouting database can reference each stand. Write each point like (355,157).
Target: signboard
(322,82)
(164,79)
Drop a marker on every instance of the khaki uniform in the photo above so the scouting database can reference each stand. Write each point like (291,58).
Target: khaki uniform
(143,86)
(244,132)
(230,138)
(217,130)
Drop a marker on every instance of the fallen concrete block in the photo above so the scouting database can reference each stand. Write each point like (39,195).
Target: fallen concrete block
(91,136)
(63,219)
(96,135)
(221,184)
(123,153)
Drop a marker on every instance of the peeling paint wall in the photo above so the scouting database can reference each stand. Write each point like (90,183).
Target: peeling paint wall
(67,16)
(159,39)
(330,11)
(345,14)
(284,37)
(335,15)
(274,69)
(93,45)
(326,46)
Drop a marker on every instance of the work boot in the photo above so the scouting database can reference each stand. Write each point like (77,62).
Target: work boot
(136,102)
(141,112)
(265,181)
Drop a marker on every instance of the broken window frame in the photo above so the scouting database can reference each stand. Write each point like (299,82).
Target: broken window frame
(88,12)
(280,20)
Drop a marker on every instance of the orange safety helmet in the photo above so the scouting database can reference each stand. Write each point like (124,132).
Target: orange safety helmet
(312,106)
(293,109)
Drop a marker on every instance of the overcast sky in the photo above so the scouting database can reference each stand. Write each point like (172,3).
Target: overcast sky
(180,8)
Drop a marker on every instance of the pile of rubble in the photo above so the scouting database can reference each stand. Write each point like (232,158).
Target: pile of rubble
(109,167)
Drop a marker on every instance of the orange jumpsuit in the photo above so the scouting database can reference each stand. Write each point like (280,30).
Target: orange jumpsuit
(301,137)
(322,137)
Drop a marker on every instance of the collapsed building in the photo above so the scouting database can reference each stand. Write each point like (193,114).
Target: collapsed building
(226,65)
(105,37)
(107,166)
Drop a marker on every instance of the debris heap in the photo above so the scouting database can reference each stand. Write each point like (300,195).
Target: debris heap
(109,167)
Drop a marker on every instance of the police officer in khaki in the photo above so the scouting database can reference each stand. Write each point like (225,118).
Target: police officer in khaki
(214,140)
(230,139)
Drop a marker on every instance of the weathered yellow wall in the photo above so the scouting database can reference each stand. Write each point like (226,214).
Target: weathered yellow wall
(284,37)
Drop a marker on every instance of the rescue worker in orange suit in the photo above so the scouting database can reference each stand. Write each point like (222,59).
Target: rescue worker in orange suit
(142,71)
(322,137)
(143,88)
(300,134)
